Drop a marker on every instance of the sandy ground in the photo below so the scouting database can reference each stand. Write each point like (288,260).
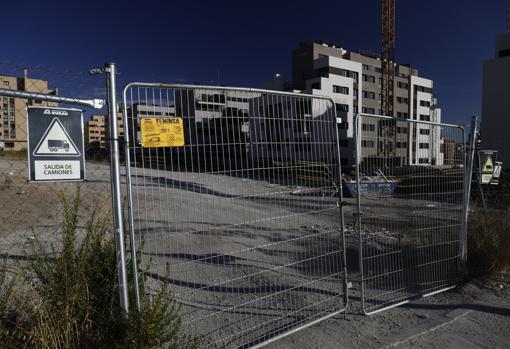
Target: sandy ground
(247,257)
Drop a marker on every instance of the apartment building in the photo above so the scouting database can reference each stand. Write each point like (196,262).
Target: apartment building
(97,130)
(353,80)
(13,131)
(496,102)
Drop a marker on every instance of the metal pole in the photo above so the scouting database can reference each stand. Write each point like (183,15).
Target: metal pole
(127,159)
(94,103)
(115,178)
(470,153)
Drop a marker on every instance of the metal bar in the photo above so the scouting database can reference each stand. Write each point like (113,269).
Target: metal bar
(131,224)
(94,103)
(223,88)
(412,121)
(469,160)
(116,181)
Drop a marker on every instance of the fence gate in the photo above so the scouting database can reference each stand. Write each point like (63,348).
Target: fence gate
(235,204)
(411,207)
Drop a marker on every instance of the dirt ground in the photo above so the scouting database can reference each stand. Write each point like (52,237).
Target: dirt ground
(243,251)
(474,315)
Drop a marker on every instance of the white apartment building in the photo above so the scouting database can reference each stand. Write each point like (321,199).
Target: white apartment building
(353,81)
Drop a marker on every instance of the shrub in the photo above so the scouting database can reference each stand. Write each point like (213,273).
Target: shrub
(76,295)
(488,242)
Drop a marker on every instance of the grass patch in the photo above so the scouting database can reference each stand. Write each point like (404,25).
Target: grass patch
(488,242)
(73,295)
(14,155)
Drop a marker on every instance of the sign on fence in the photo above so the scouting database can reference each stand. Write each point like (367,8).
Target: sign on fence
(55,144)
(162,132)
(487,159)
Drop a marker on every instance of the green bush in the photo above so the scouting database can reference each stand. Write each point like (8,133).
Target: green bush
(76,296)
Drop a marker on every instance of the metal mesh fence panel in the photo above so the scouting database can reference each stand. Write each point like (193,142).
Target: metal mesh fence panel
(236,206)
(31,212)
(32,209)
(410,192)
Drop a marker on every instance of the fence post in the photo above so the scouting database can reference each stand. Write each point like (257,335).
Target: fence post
(470,154)
(110,71)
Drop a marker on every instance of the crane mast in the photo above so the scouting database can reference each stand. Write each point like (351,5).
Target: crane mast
(386,147)
(387,54)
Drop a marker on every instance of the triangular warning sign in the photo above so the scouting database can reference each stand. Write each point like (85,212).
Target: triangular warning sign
(489,165)
(56,141)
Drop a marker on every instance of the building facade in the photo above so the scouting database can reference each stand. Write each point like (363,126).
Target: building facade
(13,132)
(353,81)
(97,130)
(496,102)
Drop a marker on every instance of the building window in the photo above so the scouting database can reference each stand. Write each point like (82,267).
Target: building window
(424,146)
(424,132)
(403,85)
(423,160)
(365,67)
(403,100)
(355,109)
(342,108)
(355,92)
(401,129)
(368,127)
(341,89)
(402,145)
(368,110)
(368,94)
(368,78)
(402,115)
(424,117)
(425,104)
(367,144)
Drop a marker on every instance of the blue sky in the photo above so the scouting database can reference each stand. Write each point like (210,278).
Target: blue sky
(246,43)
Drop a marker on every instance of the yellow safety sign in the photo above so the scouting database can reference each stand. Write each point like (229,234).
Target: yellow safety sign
(162,132)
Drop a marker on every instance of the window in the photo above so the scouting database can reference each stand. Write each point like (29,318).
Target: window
(355,76)
(401,145)
(403,100)
(355,92)
(423,89)
(368,110)
(401,129)
(355,109)
(341,89)
(403,85)
(6,83)
(423,160)
(380,96)
(424,132)
(367,144)
(342,108)
(425,104)
(368,94)
(368,127)
(424,146)
(402,115)
(369,78)
(424,117)
(365,67)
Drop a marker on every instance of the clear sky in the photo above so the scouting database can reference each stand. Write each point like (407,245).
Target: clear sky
(244,43)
